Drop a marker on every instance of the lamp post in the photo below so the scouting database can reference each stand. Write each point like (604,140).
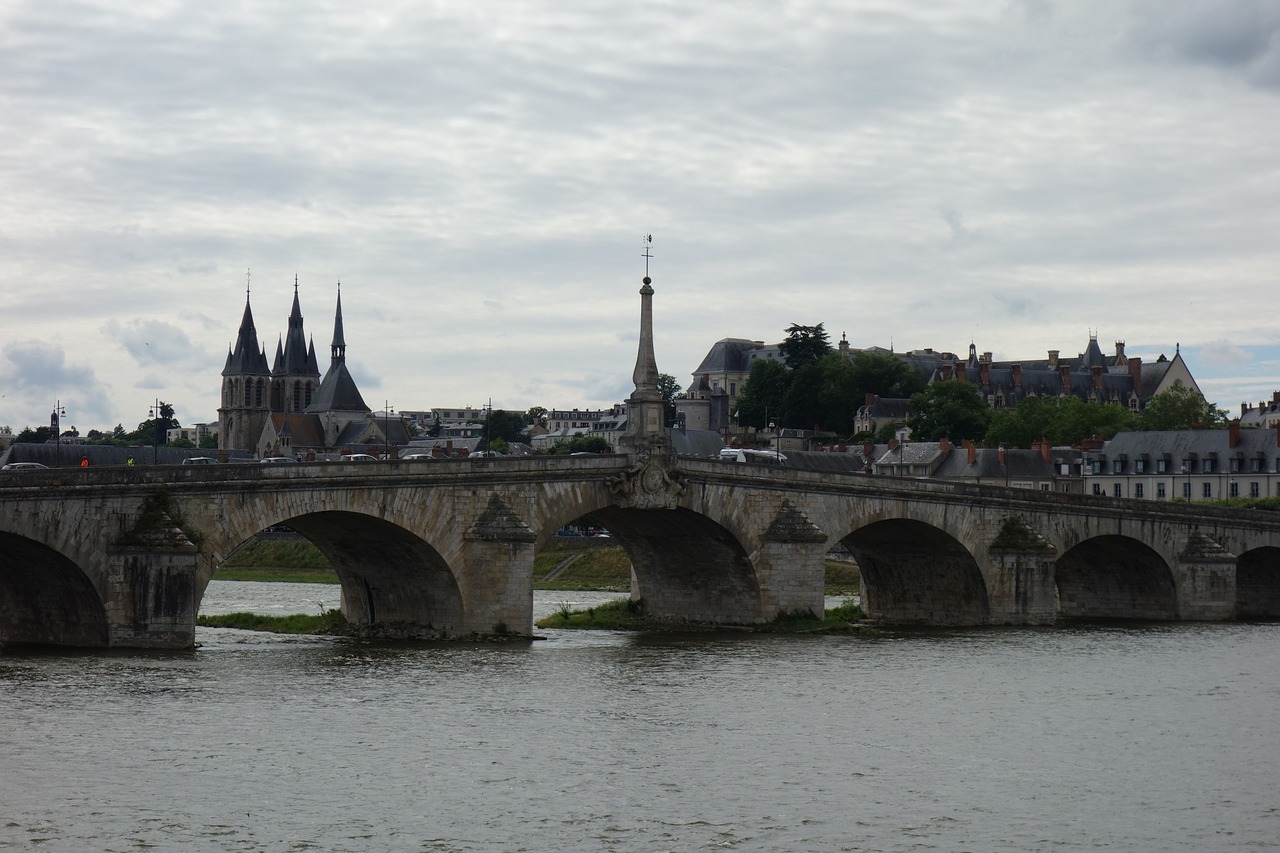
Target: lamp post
(1186,469)
(155,432)
(55,423)
(387,412)
(777,444)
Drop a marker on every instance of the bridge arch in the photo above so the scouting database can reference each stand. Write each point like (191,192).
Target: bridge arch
(389,575)
(45,598)
(916,573)
(1258,584)
(1115,577)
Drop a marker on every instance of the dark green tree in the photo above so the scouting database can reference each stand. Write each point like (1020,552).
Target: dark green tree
(802,407)
(763,393)
(581,444)
(952,408)
(804,345)
(536,416)
(209,442)
(670,391)
(39,435)
(1059,420)
(508,426)
(1179,408)
(885,376)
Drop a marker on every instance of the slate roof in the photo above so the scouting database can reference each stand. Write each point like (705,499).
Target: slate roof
(1019,464)
(1197,444)
(247,357)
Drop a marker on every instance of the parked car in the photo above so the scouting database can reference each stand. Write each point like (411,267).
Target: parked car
(199,460)
(418,457)
(358,457)
(23,466)
(276,460)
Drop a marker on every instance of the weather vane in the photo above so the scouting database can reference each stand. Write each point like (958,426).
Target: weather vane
(646,241)
(246,282)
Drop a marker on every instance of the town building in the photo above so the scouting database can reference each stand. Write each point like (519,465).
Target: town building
(1266,414)
(1193,464)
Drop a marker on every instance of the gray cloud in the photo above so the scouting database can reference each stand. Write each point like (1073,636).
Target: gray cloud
(479,177)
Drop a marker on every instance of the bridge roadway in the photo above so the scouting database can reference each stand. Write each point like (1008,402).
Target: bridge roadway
(121,557)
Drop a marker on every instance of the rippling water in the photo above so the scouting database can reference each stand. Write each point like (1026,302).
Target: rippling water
(1141,738)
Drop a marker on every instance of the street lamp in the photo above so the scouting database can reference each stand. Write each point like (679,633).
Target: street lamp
(777,444)
(387,412)
(1186,469)
(55,423)
(155,432)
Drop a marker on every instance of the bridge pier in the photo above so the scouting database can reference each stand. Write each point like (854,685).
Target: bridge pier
(790,565)
(1021,588)
(150,598)
(497,584)
(1205,575)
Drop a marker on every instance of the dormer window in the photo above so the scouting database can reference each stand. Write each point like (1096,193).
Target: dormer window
(1206,467)
(1117,466)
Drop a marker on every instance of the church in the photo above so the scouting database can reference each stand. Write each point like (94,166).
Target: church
(287,409)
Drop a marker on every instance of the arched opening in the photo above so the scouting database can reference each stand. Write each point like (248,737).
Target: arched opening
(388,575)
(1258,584)
(45,599)
(1114,577)
(915,574)
(685,567)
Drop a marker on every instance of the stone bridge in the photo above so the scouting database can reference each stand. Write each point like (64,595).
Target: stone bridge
(121,557)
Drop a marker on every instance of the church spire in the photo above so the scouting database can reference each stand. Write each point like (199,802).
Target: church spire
(338,349)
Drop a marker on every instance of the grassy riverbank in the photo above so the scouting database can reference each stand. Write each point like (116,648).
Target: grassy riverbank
(622,614)
(560,565)
(329,622)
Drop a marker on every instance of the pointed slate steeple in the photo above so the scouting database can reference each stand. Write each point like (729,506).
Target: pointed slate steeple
(246,357)
(338,391)
(294,362)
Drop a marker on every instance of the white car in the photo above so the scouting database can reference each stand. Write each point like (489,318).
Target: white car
(358,457)
(24,466)
(277,460)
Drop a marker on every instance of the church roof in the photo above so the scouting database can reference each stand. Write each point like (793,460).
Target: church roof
(338,392)
(246,356)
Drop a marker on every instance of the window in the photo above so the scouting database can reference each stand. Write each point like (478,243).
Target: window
(1207,490)
(1206,467)
(1138,490)
(1160,492)
(1066,488)
(1162,466)
(1117,489)
(1117,466)
(1044,487)
(1186,466)
(1097,488)
(1253,490)
(1234,465)
(1097,466)
(1186,491)
(1139,466)
(1235,490)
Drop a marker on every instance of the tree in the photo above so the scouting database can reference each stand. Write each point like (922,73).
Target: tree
(499,445)
(209,442)
(1058,420)
(581,444)
(508,426)
(1179,408)
(952,408)
(670,390)
(763,393)
(39,435)
(536,415)
(804,345)
(885,376)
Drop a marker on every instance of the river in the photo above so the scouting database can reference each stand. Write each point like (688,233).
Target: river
(1144,737)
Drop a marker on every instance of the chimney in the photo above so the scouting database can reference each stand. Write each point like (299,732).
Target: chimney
(1043,446)
(1053,359)
(1017,375)
(1097,376)
(868,448)
(1000,454)
(1135,370)
(1120,352)
(959,370)
(985,368)
(893,444)
(944,445)
(1233,433)
(946,372)
(1244,409)
(757,344)
(1066,377)
(871,398)
(971,452)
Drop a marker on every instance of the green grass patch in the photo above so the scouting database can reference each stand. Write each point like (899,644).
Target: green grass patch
(842,578)
(280,554)
(623,614)
(272,574)
(329,622)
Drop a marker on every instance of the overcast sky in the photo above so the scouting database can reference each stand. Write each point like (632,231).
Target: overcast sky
(1015,173)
